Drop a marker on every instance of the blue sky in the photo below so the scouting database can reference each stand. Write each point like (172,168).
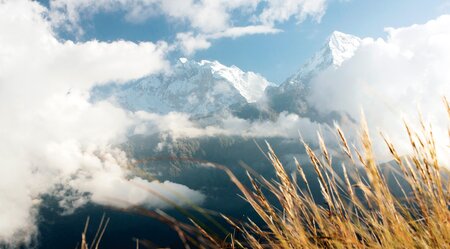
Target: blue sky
(275,56)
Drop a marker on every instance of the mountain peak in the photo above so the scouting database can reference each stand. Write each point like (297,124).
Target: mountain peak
(200,88)
(249,84)
(342,46)
(338,35)
(338,48)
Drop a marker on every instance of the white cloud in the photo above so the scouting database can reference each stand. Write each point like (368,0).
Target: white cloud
(50,134)
(180,125)
(189,42)
(206,16)
(283,10)
(390,79)
(206,20)
(110,187)
(235,32)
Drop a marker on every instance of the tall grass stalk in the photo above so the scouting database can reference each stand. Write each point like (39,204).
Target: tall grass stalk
(357,206)
(360,209)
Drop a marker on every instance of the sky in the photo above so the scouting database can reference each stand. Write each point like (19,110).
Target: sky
(275,56)
(55,141)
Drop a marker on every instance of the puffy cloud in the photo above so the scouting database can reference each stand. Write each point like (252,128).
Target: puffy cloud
(283,10)
(51,135)
(207,20)
(190,42)
(111,187)
(392,78)
(235,32)
(180,125)
(207,16)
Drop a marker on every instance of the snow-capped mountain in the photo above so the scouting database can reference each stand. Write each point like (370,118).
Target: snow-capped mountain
(338,48)
(208,88)
(291,94)
(198,88)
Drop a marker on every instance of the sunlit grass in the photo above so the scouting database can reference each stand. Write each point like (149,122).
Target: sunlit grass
(357,207)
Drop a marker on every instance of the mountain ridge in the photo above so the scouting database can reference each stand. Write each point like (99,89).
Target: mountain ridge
(198,88)
(208,88)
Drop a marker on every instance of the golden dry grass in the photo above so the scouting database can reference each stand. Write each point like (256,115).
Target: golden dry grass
(359,208)
(98,235)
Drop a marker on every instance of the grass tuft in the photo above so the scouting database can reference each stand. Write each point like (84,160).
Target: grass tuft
(360,209)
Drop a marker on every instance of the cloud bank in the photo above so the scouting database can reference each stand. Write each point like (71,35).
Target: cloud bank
(180,125)
(52,140)
(393,78)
